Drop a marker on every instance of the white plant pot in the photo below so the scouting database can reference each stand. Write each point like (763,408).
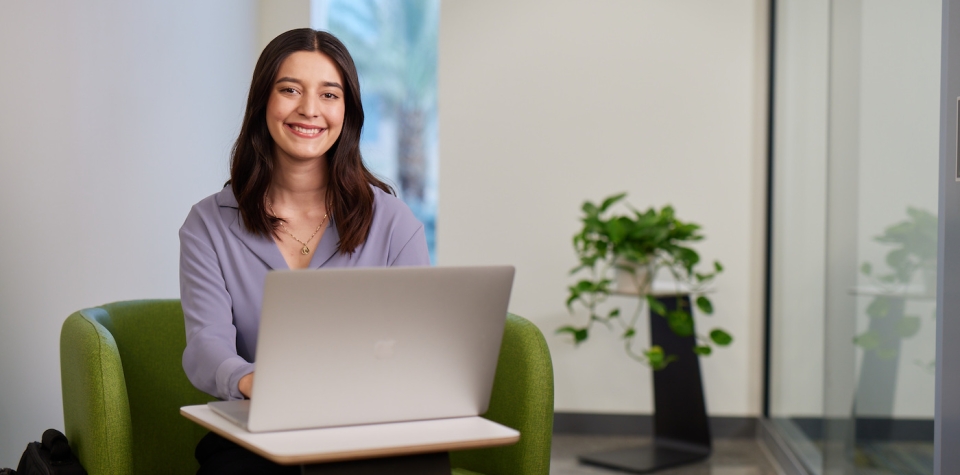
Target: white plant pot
(637,283)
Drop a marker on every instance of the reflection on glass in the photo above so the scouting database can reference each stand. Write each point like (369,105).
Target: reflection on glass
(856,173)
(896,300)
(394,45)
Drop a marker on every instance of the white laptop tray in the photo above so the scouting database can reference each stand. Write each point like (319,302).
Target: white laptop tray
(333,444)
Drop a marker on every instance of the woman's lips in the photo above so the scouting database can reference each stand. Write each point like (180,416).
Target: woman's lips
(305,131)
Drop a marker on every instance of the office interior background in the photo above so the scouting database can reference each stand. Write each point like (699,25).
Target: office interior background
(119,116)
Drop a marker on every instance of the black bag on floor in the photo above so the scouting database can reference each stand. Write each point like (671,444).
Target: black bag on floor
(50,456)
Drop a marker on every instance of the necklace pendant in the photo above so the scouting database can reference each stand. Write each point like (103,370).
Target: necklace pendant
(305,250)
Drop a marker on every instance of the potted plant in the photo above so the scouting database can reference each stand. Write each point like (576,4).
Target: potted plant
(622,254)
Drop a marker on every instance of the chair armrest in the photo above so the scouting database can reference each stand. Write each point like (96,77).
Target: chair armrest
(522,398)
(96,412)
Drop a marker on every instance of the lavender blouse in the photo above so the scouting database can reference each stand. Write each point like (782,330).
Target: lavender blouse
(223,267)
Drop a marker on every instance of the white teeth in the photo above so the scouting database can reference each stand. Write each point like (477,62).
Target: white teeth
(305,131)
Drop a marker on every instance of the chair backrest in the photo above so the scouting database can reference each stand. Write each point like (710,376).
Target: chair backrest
(123,385)
(522,399)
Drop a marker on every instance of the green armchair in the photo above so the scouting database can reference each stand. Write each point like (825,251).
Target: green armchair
(123,385)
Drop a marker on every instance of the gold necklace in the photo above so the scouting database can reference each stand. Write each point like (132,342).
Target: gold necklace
(305,249)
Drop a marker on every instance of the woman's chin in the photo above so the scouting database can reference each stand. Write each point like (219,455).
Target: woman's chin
(304,155)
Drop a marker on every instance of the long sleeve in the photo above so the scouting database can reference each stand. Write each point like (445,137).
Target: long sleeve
(414,252)
(210,359)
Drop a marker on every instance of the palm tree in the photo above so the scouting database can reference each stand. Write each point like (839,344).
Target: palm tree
(394,44)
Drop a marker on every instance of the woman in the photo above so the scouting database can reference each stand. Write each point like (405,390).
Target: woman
(298,197)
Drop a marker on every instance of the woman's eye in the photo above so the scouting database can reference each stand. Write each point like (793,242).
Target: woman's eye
(329,95)
(288,90)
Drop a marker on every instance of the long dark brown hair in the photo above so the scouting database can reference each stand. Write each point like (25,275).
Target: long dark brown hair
(349,198)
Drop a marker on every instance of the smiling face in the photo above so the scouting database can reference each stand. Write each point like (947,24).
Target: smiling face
(305,109)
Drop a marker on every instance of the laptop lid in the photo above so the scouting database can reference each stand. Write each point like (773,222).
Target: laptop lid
(372,345)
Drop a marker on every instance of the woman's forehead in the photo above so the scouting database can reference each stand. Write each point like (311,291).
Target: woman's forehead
(309,67)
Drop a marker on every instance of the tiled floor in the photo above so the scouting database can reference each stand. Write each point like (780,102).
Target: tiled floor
(730,456)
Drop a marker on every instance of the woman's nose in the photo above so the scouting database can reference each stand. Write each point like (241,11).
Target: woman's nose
(309,106)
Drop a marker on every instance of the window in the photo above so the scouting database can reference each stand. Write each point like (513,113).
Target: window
(394,45)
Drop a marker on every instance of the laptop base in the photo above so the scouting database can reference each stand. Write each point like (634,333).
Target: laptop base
(437,463)
(237,412)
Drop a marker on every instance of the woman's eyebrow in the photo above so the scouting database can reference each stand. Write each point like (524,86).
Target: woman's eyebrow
(289,79)
(297,81)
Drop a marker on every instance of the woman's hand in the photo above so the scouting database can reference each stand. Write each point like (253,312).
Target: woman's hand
(246,385)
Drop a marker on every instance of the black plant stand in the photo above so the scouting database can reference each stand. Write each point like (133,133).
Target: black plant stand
(681,431)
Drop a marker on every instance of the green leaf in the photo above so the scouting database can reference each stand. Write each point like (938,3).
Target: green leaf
(702,350)
(611,200)
(656,306)
(908,326)
(579,334)
(879,307)
(720,337)
(655,356)
(667,213)
(616,230)
(629,333)
(717,266)
(866,268)
(688,257)
(705,305)
(614,313)
(586,262)
(590,209)
(868,340)
(657,359)
(584,286)
(680,322)
(603,287)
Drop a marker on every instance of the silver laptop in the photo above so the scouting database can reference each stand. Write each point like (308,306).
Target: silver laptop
(373,345)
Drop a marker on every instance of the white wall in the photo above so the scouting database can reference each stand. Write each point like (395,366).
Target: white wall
(278,16)
(547,103)
(117,117)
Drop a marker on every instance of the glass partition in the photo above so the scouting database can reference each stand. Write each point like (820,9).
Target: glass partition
(856,144)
